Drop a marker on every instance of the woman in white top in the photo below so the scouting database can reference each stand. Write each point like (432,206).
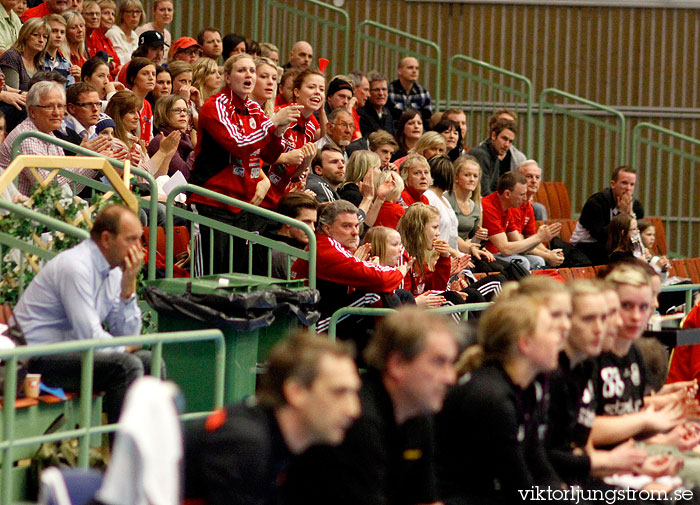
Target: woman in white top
(123,34)
(162,17)
(442,174)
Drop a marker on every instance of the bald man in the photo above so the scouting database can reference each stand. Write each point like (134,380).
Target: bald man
(406,93)
(301,55)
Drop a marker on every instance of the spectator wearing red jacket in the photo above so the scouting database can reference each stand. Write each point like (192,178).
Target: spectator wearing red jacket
(235,137)
(341,278)
(391,210)
(97,28)
(415,172)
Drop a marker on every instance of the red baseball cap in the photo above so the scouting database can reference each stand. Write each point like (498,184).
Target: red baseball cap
(182,43)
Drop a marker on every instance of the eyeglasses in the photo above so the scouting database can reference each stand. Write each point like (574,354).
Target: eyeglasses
(349,126)
(55,108)
(135,11)
(91,105)
(179,111)
(191,50)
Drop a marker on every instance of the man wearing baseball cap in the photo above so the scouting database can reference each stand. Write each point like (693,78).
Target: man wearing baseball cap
(151,46)
(185,49)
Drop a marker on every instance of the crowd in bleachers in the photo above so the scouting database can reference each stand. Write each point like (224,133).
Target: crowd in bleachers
(553,392)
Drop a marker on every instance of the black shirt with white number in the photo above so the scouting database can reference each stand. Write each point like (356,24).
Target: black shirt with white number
(619,383)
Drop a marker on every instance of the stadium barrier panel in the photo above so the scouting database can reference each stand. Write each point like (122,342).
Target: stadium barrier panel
(322,24)
(151,204)
(579,142)
(481,88)
(379,47)
(668,163)
(86,429)
(252,237)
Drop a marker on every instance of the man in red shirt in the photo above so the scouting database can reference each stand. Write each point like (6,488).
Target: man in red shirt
(46,8)
(505,241)
(341,278)
(524,216)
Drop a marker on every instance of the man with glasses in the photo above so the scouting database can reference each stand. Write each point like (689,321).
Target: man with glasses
(339,131)
(185,49)
(46,107)
(83,104)
(375,115)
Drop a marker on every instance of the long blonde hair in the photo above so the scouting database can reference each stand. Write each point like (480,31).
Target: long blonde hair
(377,237)
(29,27)
(499,328)
(73,17)
(412,228)
(269,106)
(427,141)
(359,164)
(202,69)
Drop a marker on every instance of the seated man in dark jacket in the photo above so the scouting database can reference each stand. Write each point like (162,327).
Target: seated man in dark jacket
(591,232)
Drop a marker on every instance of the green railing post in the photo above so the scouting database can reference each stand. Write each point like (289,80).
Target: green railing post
(254,238)
(493,88)
(560,156)
(86,374)
(153,187)
(674,165)
(87,347)
(313,29)
(399,50)
(256,22)
(8,418)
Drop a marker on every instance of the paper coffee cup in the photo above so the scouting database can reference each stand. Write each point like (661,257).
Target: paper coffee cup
(31,385)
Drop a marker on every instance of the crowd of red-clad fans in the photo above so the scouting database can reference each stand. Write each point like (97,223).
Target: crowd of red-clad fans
(556,393)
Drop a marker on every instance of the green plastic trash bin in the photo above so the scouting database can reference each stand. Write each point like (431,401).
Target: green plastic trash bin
(261,310)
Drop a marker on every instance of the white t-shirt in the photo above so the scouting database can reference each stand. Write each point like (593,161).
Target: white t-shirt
(448,218)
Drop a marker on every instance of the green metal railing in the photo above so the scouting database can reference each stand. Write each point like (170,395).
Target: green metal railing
(580,142)
(8,241)
(376,312)
(486,88)
(151,204)
(321,24)
(384,55)
(250,236)
(667,164)
(688,288)
(88,348)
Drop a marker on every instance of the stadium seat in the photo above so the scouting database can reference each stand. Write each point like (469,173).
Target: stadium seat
(565,273)
(567,227)
(678,268)
(693,267)
(555,197)
(181,239)
(583,272)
